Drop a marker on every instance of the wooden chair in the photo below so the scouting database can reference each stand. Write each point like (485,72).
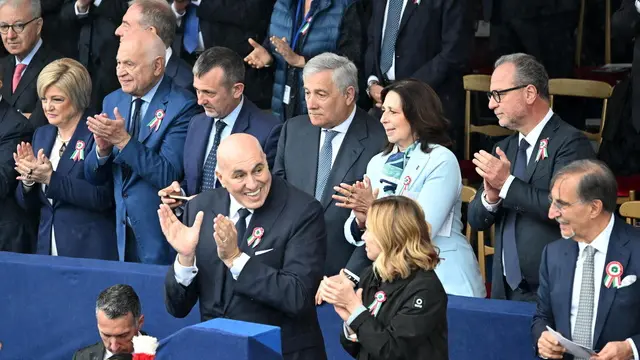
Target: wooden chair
(607,33)
(467,194)
(584,88)
(476,83)
(631,211)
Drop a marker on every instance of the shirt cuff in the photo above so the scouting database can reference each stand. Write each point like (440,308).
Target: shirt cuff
(372,78)
(638,10)
(350,337)
(505,187)
(80,13)
(633,345)
(238,265)
(102,159)
(356,313)
(97,3)
(196,2)
(490,207)
(185,274)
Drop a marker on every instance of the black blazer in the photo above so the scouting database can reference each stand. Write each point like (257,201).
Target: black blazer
(276,287)
(26,99)
(411,323)
(92,352)
(297,162)
(529,198)
(17,230)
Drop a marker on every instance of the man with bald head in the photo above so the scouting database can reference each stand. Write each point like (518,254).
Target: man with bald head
(270,241)
(140,138)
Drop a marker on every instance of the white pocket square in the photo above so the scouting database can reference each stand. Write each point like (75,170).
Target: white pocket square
(628,280)
(263,251)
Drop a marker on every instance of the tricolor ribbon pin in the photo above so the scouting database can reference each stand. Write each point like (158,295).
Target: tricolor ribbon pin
(405,184)
(379,298)
(157,120)
(542,150)
(78,154)
(256,237)
(613,275)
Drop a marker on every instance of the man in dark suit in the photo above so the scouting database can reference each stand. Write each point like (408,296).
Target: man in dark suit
(430,41)
(119,316)
(228,23)
(351,137)
(259,254)
(20,27)
(518,173)
(588,280)
(139,142)
(219,82)
(156,16)
(17,231)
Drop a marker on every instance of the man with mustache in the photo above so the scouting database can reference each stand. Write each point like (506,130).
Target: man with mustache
(518,172)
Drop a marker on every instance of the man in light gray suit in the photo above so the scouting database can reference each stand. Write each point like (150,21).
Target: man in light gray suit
(331,145)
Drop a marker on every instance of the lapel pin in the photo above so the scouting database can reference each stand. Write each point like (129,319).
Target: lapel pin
(379,298)
(613,274)
(256,237)
(542,150)
(157,120)
(405,184)
(78,154)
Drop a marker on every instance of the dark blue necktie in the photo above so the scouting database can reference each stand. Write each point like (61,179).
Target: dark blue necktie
(511,260)
(209,172)
(134,130)
(191,30)
(241,224)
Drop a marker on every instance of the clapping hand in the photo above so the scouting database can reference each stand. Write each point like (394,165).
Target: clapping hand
(226,237)
(357,197)
(495,170)
(34,169)
(340,293)
(337,278)
(183,239)
(109,132)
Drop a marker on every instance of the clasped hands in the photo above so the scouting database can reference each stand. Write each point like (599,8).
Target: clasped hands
(550,348)
(494,171)
(31,168)
(108,132)
(339,292)
(184,239)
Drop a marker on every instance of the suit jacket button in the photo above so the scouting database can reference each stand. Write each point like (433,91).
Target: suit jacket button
(124,222)
(124,195)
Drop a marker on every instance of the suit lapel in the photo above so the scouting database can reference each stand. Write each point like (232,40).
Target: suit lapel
(243,119)
(418,161)
(616,252)
(31,72)
(547,132)
(565,279)
(8,75)
(172,66)
(159,102)
(265,218)
(309,140)
(202,128)
(66,163)
(511,150)
(408,11)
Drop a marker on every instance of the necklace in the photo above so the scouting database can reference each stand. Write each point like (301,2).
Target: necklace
(64,145)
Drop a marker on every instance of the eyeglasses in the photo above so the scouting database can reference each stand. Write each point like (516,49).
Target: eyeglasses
(561,206)
(17,27)
(497,94)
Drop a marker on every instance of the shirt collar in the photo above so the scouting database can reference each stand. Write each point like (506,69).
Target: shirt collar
(234,206)
(150,94)
(533,136)
(27,59)
(230,119)
(601,242)
(344,126)
(167,55)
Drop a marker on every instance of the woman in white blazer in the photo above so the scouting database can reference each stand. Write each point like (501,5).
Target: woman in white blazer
(417,163)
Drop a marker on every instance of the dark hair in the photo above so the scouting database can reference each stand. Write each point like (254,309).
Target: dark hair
(157,13)
(228,60)
(119,300)
(423,110)
(597,182)
(528,71)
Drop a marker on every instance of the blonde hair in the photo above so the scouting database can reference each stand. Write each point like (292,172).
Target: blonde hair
(398,223)
(71,78)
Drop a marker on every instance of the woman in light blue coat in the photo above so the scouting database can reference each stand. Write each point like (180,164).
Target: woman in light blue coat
(417,163)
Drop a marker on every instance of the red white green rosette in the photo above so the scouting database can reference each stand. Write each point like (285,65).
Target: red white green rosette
(543,153)
(379,298)
(405,183)
(144,347)
(256,237)
(613,274)
(78,153)
(157,120)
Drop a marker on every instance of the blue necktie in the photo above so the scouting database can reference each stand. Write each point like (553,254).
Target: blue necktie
(134,130)
(209,172)
(191,30)
(241,225)
(390,35)
(324,163)
(511,260)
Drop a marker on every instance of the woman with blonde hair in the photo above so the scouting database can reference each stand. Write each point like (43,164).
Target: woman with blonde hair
(406,312)
(77,218)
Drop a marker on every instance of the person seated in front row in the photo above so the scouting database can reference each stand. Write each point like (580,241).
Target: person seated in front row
(406,317)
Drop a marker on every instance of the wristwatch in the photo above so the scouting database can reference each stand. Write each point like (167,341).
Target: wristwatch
(351,277)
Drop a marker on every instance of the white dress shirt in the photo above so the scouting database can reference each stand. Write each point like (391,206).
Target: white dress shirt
(167,55)
(337,140)
(230,120)
(184,275)
(179,22)
(601,245)
(391,74)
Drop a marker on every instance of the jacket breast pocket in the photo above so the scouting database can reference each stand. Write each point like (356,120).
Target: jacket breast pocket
(272,256)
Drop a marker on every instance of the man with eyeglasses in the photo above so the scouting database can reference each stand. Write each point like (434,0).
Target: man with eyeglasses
(517,174)
(588,291)
(20,28)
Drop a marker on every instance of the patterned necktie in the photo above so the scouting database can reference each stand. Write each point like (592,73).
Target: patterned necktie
(17,75)
(209,172)
(324,163)
(584,320)
(511,260)
(390,35)
(134,129)
(191,30)
(241,224)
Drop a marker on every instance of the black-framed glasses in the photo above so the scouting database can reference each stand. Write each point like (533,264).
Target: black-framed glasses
(17,27)
(497,94)
(561,206)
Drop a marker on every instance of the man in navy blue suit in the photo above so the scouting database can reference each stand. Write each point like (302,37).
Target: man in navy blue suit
(219,83)
(139,141)
(588,290)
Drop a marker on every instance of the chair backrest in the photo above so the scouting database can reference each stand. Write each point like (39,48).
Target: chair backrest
(584,88)
(479,83)
(631,211)
(466,196)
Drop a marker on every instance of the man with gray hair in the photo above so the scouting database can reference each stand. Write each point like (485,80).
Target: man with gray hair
(587,279)
(331,145)
(119,317)
(20,28)
(517,174)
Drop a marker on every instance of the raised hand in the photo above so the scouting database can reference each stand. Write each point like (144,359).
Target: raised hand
(283,48)
(226,237)
(182,238)
(113,132)
(259,57)
(495,170)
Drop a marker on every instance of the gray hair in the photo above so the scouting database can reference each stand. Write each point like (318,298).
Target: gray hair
(118,301)
(228,60)
(345,73)
(157,13)
(529,71)
(36,8)
(597,182)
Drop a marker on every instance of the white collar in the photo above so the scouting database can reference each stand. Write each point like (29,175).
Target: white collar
(27,59)
(150,94)
(344,126)
(167,55)
(601,242)
(235,206)
(230,119)
(534,134)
